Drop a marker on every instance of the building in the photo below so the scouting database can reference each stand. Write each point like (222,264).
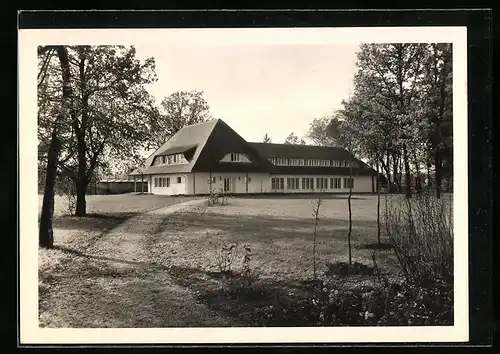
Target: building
(211,156)
(120,184)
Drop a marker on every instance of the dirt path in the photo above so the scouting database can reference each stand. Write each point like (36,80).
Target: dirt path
(122,280)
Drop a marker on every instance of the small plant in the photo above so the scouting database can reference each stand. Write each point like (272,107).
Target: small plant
(316,206)
(225,256)
(68,190)
(212,198)
(247,272)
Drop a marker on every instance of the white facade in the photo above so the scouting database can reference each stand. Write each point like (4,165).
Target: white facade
(242,183)
(175,184)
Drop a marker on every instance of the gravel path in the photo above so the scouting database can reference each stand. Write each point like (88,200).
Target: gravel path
(122,280)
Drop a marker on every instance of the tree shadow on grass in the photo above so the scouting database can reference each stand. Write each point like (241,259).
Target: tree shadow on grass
(137,264)
(231,294)
(104,221)
(376,246)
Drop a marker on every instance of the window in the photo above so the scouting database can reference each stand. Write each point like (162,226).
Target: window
(213,179)
(235,158)
(156,182)
(277,183)
(292,183)
(348,183)
(335,183)
(174,158)
(321,183)
(179,179)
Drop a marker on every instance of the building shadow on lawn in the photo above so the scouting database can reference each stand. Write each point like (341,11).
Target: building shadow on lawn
(266,226)
(301,196)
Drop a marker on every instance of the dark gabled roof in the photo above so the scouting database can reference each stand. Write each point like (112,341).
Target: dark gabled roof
(269,150)
(225,140)
(211,141)
(176,149)
(311,170)
(207,143)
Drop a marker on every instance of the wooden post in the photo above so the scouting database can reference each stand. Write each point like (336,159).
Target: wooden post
(142,183)
(135,185)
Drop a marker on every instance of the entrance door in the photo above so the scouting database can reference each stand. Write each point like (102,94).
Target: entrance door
(227,184)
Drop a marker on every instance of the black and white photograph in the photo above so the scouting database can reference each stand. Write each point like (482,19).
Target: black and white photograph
(244,184)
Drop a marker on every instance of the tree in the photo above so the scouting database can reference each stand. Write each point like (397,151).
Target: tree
(178,110)
(294,139)
(46,233)
(267,139)
(324,131)
(437,107)
(346,137)
(112,116)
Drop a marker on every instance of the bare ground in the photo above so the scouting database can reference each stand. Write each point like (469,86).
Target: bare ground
(116,282)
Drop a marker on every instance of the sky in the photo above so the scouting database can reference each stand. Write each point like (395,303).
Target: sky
(257,88)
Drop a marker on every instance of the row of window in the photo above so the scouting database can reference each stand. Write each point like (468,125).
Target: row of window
(282,161)
(278,183)
(165,181)
(169,159)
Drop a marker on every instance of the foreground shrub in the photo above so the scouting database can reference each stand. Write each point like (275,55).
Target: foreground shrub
(421,232)
(394,305)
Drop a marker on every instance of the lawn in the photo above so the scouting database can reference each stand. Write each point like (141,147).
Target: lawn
(158,265)
(105,212)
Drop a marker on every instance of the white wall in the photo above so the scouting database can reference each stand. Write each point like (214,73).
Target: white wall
(197,183)
(174,188)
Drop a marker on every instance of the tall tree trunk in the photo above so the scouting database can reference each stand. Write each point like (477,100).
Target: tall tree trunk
(378,202)
(350,213)
(407,172)
(81,183)
(81,203)
(46,233)
(395,173)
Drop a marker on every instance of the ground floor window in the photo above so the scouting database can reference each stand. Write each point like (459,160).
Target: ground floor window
(162,182)
(335,183)
(292,183)
(348,182)
(179,179)
(321,183)
(277,183)
(307,183)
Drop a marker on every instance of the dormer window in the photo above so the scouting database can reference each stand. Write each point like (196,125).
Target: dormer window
(235,158)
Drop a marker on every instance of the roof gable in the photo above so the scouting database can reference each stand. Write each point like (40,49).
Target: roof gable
(224,140)
(189,140)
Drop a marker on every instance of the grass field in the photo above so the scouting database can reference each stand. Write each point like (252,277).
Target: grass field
(159,257)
